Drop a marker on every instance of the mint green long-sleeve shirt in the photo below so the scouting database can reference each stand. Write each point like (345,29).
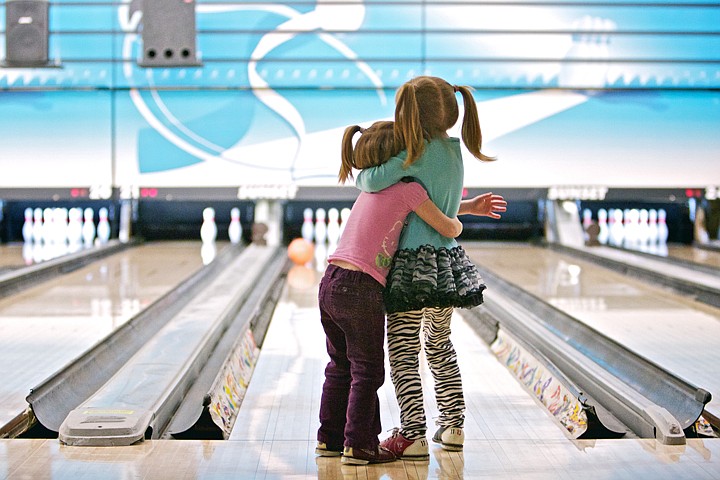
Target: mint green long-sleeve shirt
(440,171)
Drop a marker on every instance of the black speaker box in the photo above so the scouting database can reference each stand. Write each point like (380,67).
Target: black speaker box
(26,33)
(168,33)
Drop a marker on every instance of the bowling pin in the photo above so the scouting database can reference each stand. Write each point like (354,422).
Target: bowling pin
(627,228)
(88,229)
(74,230)
(602,223)
(235,229)
(320,226)
(633,234)
(27,229)
(60,246)
(103,228)
(587,218)
(662,227)
(208,229)
(48,226)
(644,227)
(61,222)
(617,229)
(652,227)
(308,228)
(37,231)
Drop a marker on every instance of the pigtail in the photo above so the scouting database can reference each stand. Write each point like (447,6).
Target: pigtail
(408,130)
(347,162)
(471,133)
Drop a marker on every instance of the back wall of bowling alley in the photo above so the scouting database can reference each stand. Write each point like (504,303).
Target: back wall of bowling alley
(89,122)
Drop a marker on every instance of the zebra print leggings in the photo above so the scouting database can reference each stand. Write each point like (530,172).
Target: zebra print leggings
(403,334)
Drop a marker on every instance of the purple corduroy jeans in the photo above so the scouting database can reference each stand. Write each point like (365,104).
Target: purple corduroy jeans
(353,317)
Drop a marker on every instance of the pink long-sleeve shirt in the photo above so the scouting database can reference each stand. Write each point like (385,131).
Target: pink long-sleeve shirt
(372,232)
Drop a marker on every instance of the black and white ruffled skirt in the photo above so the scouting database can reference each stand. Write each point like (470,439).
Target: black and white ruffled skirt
(432,277)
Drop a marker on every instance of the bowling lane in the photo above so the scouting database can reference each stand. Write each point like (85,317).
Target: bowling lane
(684,253)
(694,254)
(507,434)
(12,257)
(17,255)
(47,326)
(674,331)
(281,405)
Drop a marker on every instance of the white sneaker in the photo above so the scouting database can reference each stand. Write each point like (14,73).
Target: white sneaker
(451,438)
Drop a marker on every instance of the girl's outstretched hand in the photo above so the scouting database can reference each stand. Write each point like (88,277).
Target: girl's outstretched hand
(486,205)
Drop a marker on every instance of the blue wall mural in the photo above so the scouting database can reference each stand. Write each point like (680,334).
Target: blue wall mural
(614,93)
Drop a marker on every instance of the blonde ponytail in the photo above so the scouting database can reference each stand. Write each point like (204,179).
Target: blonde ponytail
(471,133)
(408,129)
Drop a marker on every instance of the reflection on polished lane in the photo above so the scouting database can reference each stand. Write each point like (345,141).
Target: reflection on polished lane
(671,330)
(294,459)
(668,261)
(13,256)
(47,326)
(17,255)
(688,253)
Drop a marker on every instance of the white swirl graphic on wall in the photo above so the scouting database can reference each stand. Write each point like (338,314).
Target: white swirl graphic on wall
(344,15)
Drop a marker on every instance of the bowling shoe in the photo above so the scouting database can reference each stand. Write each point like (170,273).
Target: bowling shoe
(406,449)
(450,438)
(324,451)
(363,456)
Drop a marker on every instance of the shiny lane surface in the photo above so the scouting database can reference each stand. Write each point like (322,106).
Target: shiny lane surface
(283,398)
(11,257)
(14,256)
(674,331)
(694,254)
(47,326)
(686,253)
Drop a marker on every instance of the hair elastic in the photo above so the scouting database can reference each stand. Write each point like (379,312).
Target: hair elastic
(362,130)
(455,88)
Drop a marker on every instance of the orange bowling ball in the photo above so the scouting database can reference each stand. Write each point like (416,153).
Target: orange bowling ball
(300,251)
